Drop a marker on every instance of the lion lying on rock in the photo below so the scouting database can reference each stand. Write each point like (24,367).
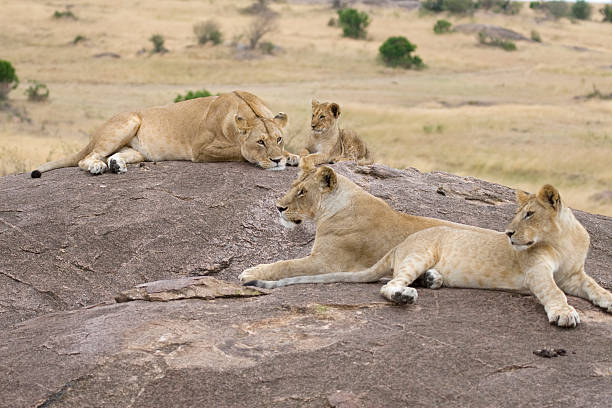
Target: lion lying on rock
(328,143)
(542,251)
(353,228)
(235,126)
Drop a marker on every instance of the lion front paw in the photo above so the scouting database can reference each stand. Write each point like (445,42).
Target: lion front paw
(564,316)
(293,160)
(251,274)
(399,295)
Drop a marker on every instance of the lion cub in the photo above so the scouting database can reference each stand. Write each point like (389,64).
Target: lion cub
(542,251)
(328,143)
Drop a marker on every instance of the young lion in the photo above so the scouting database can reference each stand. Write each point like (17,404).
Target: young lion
(328,143)
(542,251)
(235,126)
(353,228)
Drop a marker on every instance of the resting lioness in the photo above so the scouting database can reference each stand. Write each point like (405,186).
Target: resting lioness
(353,228)
(235,126)
(328,143)
(542,252)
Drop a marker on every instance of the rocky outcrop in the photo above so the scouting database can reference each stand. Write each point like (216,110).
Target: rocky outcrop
(70,243)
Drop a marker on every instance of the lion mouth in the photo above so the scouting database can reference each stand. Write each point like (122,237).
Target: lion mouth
(521,246)
(287,223)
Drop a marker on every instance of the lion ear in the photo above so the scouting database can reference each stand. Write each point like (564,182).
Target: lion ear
(335,109)
(315,103)
(549,196)
(327,179)
(241,123)
(521,197)
(281,119)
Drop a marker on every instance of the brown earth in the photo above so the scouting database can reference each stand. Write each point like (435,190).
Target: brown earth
(70,243)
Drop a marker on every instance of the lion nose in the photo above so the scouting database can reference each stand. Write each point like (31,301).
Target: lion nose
(276,160)
(281,209)
(509,234)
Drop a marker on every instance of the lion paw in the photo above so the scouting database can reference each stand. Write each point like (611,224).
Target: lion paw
(293,160)
(251,274)
(117,165)
(400,295)
(97,167)
(565,316)
(432,279)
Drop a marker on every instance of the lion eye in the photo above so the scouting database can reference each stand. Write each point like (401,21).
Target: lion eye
(261,142)
(280,139)
(322,117)
(300,193)
(528,214)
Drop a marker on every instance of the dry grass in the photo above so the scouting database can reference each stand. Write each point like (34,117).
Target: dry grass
(505,117)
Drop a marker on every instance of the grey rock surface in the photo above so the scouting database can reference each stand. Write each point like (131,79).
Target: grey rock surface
(70,243)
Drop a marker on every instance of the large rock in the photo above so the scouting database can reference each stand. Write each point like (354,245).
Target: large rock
(70,243)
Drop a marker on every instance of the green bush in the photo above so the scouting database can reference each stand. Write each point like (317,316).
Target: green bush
(192,95)
(434,6)
(353,22)
(64,14)
(267,47)
(535,36)
(158,43)
(395,52)
(459,6)
(207,31)
(442,26)
(37,91)
(78,39)
(535,5)
(556,9)
(581,10)
(8,79)
(331,22)
(607,13)
(500,6)
(487,39)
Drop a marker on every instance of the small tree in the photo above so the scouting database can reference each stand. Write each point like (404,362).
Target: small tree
(262,25)
(8,79)
(556,9)
(158,41)
(395,52)
(581,10)
(207,31)
(37,92)
(442,26)
(607,13)
(353,22)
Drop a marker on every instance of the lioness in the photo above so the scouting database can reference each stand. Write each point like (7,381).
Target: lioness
(353,228)
(235,126)
(542,251)
(328,143)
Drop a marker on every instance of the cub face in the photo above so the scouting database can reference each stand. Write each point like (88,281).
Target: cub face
(262,140)
(303,200)
(324,116)
(536,219)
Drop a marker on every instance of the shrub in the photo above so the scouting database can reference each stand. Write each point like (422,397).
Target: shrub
(607,13)
(353,22)
(432,5)
(78,39)
(192,95)
(37,91)
(262,25)
(535,5)
(64,14)
(8,79)
(556,9)
(395,52)
(337,4)
(598,94)
(267,47)
(331,22)
(258,7)
(207,31)
(158,41)
(581,10)
(442,26)
(459,6)
(487,39)
(535,36)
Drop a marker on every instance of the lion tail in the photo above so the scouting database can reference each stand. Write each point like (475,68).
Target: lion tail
(69,161)
(372,274)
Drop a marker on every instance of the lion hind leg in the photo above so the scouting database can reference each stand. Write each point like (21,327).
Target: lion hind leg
(112,136)
(407,271)
(117,163)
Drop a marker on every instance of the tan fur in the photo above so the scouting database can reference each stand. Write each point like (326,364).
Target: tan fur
(235,126)
(353,228)
(542,252)
(328,143)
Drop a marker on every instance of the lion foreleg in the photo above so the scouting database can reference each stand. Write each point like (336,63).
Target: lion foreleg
(406,270)
(285,269)
(582,285)
(540,281)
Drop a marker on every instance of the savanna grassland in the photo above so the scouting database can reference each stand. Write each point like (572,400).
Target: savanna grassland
(517,118)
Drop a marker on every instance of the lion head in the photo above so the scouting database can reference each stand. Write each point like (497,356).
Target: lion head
(536,219)
(262,140)
(303,200)
(324,116)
